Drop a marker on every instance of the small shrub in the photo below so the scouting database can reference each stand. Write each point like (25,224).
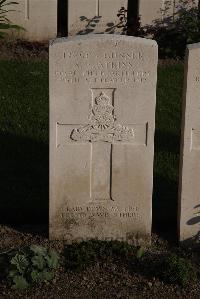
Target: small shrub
(173,33)
(28,265)
(5,24)
(130,27)
(140,252)
(177,270)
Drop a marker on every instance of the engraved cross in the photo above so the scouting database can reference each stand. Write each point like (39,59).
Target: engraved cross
(102,132)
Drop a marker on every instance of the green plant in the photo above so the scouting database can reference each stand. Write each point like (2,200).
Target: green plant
(28,265)
(5,24)
(174,32)
(131,26)
(177,270)
(140,252)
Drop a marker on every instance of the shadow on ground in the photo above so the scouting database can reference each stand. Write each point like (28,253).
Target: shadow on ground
(165,192)
(24,180)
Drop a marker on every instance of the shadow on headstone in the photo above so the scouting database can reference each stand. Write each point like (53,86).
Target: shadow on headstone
(193,221)
(62,23)
(92,24)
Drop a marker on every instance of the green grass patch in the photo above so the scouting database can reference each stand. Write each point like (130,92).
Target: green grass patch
(167,144)
(24,141)
(24,98)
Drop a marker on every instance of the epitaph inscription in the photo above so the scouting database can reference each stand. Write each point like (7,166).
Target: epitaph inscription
(115,67)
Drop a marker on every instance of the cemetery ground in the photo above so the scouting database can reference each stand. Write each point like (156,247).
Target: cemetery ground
(93,269)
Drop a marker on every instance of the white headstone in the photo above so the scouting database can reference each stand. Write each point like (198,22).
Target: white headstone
(102,114)
(94,16)
(189,189)
(38,17)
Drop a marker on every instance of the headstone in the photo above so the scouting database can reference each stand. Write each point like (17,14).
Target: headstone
(38,17)
(94,16)
(189,189)
(102,114)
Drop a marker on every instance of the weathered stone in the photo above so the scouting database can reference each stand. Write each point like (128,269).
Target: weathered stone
(38,17)
(102,111)
(189,189)
(94,16)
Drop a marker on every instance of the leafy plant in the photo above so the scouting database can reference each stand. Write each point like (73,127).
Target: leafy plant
(177,270)
(5,23)
(140,252)
(131,26)
(174,32)
(29,265)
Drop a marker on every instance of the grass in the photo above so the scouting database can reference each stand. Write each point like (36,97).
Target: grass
(24,142)
(167,144)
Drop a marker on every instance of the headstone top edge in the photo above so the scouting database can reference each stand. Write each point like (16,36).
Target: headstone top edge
(87,37)
(193,46)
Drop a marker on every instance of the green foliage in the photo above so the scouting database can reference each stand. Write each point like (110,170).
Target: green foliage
(173,33)
(29,265)
(82,255)
(177,270)
(129,26)
(5,24)
(140,252)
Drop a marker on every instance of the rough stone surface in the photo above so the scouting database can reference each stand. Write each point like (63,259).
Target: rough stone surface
(102,112)
(94,16)
(38,17)
(189,189)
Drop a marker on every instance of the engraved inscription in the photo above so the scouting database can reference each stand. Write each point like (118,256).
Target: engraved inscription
(102,212)
(102,126)
(106,68)
(107,55)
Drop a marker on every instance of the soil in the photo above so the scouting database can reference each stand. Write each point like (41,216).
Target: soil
(24,50)
(112,279)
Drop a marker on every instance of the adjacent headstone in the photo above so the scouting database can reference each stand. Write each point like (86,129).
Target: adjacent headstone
(38,17)
(189,189)
(154,11)
(94,16)
(102,118)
